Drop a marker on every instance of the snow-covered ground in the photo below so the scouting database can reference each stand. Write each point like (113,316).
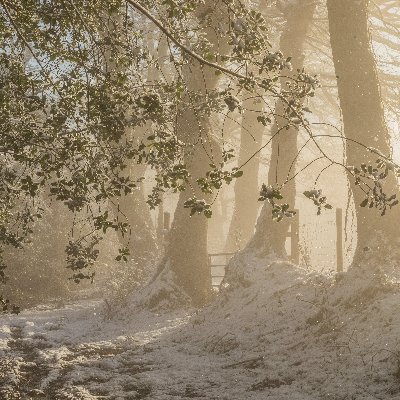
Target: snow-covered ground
(276,332)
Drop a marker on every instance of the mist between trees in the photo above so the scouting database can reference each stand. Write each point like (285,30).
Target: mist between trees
(199,199)
(229,119)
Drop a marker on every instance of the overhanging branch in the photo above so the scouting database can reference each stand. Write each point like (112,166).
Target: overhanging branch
(184,48)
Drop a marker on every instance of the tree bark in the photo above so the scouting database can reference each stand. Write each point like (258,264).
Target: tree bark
(246,189)
(270,236)
(363,117)
(186,253)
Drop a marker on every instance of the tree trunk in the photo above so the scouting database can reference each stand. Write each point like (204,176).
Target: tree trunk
(270,236)
(363,117)
(187,241)
(216,236)
(246,189)
(186,254)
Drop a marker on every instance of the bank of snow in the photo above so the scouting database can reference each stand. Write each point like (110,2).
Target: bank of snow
(275,331)
(301,335)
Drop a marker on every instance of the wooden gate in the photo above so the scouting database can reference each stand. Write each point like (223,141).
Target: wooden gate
(219,261)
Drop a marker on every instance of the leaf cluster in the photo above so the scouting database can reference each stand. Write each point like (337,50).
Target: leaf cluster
(375,175)
(320,201)
(279,211)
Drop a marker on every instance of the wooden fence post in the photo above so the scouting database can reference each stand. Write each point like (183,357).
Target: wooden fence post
(339,240)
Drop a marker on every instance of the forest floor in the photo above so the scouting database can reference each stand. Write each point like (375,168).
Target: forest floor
(278,332)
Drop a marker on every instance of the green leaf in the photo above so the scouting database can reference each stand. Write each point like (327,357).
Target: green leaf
(208,213)
(364,203)
(237,174)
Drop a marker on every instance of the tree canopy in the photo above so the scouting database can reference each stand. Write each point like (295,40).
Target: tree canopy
(78,106)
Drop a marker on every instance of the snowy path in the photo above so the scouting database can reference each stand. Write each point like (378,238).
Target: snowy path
(71,353)
(284,335)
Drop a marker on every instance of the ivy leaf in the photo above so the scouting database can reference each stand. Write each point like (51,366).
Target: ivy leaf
(364,203)
(237,174)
